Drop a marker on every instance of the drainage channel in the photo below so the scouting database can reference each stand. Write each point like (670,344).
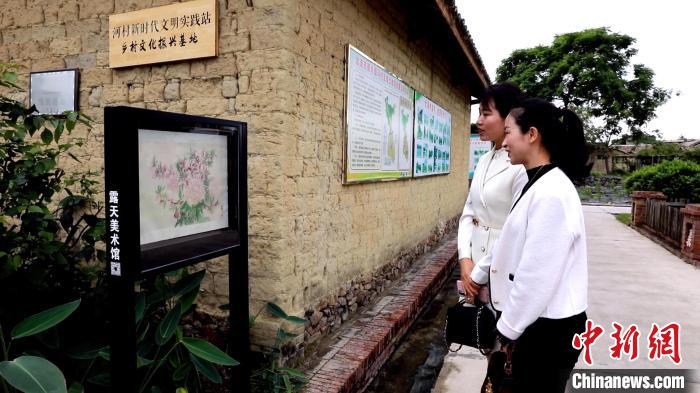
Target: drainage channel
(415,364)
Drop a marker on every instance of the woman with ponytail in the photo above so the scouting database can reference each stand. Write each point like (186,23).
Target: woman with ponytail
(538,277)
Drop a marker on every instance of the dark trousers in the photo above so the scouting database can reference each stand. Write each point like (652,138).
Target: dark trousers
(543,355)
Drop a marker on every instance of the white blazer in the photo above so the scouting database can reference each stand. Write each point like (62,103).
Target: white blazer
(490,198)
(539,265)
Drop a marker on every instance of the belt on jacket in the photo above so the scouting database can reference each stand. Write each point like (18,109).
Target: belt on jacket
(478,223)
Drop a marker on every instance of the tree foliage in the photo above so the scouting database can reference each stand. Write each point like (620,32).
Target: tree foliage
(692,155)
(671,150)
(590,71)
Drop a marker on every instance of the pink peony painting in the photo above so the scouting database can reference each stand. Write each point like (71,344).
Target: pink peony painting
(183,185)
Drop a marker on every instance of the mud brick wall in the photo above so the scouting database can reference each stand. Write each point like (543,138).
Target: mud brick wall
(281,69)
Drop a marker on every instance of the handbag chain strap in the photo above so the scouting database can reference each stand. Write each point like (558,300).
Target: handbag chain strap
(478,341)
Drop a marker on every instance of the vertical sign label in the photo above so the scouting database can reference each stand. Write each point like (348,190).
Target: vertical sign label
(114,261)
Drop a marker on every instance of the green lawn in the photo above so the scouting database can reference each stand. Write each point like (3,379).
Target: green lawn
(624,218)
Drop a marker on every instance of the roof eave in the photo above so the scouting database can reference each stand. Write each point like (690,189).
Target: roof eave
(449,12)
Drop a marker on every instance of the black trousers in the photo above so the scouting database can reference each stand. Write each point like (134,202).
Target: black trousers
(543,356)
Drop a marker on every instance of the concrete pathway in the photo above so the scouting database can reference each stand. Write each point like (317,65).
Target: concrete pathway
(631,280)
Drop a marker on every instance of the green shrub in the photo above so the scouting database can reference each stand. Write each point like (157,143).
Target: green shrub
(692,155)
(676,179)
(618,172)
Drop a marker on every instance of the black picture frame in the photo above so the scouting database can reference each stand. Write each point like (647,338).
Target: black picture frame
(122,126)
(57,75)
(135,261)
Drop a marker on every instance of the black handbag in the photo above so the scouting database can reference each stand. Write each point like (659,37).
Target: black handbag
(474,326)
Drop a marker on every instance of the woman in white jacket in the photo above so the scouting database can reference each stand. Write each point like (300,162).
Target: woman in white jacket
(538,275)
(491,191)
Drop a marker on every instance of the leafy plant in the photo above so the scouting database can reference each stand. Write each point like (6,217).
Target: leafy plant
(585,193)
(28,373)
(49,224)
(50,233)
(676,179)
(167,359)
(271,377)
(51,250)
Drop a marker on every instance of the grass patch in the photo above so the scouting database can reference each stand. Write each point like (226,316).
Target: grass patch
(585,193)
(624,217)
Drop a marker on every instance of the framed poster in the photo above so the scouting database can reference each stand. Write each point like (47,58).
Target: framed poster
(477,148)
(433,138)
(54,92)
(379,122)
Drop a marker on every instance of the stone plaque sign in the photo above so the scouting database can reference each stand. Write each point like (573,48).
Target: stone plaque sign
(155,35)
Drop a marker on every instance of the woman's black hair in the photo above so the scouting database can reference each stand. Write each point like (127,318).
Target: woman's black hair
(505,96)
(561,131)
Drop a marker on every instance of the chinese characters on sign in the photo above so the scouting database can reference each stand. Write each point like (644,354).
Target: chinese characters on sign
(379,121)
(477,148)
(661,341)
(113,232)
(433,135)
(174,32)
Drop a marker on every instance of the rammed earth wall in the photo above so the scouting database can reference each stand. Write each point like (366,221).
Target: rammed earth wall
(314,242)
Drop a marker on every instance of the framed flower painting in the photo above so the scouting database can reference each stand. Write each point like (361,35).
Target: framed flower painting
(183,184)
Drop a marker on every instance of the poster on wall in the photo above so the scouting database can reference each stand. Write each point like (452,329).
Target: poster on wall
(379,122)
(183,184)
(433,137)
(477,148)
